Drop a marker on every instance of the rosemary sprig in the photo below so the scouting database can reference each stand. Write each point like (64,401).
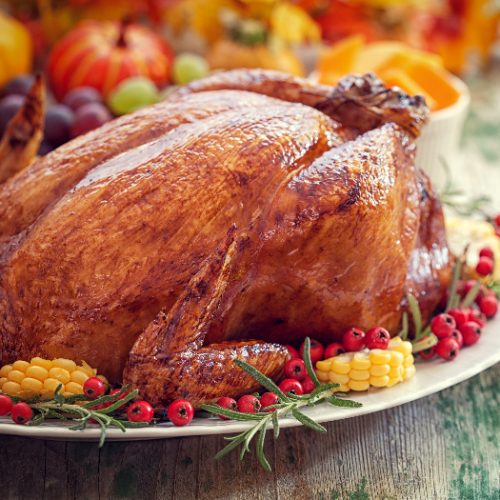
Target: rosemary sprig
(82,411)
(288,405)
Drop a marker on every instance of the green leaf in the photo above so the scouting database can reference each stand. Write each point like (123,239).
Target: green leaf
(308,422)
(343,403)
(259,449)
(322,388)
(235,415)
(119,403)
(416,314)
(276,425)
(262,380)
(230,447)
(405,327)
(453,296)
(307,360)
(423,343)
(471,295)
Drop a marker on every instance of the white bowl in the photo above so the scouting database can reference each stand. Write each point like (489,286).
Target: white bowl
(440,138)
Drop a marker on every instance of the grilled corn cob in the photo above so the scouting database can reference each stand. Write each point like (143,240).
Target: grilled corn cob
(41,377)
(358,371)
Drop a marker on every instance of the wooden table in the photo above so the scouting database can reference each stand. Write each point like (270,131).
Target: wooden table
(441,447)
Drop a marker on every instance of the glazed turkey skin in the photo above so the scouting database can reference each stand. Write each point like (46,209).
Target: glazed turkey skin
(249,210)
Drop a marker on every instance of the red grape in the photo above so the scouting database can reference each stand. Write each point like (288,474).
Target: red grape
(20,85)
(88,117)
(80,96)
(8,108)
(58,123)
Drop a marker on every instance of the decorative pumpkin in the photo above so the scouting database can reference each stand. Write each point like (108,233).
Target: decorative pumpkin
(102,54)
(227,54)
(16,51)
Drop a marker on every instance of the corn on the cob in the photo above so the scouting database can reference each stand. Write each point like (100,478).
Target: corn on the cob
(41,377)
(357,371)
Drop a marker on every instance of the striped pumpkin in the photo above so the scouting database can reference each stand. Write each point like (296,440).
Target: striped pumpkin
(102,54)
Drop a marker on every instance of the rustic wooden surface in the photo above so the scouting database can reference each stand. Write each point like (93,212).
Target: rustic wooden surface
(441,447)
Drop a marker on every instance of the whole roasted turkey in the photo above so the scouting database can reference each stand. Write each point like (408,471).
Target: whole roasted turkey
(249,208)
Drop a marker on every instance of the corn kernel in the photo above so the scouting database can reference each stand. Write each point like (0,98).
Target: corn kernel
(359,385)
(60,374)
(79,376)
(67,364)
(338,378)
(44,363)
(37,372)
(323,376)
(393,381)
(408,361)
(409,372)
(2,381)
(404,348)
(360,361)
(341,364)
(20,365)
(15,376)
(381,381)
(359,374)
(324,365)
(51,384)
(11,388)
(66,394)
(5,370)
(32,385)
(380,370)
(396,372)
(380,357)
(395,341)
(342,388)
(88,369)
(396,359)
(74,388)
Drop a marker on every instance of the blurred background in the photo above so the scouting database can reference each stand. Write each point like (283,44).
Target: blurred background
(104,58)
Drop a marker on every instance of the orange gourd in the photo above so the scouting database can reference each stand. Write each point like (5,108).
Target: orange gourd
(16,49)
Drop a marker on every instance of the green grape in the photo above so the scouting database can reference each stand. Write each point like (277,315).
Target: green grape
(132,94)
(188,67)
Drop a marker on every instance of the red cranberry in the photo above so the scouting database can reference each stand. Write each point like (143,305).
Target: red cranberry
(248,404)
(334,349)
(484,266)
(140,411)
(447,349)
(295,368)
(317,351)
(268,399)
(377,338)
(477,317)
(5,405)
(293,352)
(21,413)
(442,325)
(471,332)
(455,334)
(428,354)
(460,316)
(308,385)
(489,306)
(94,388)
(487,252)
(228,404)
(354,339)
(497,220)
(291,386)
(180,412)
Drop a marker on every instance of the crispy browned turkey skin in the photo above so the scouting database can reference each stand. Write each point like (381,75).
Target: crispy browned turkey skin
(249,205)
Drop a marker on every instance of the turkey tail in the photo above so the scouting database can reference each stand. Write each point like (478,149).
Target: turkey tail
(23,133)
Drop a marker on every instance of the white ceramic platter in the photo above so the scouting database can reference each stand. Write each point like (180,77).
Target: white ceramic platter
(431,377)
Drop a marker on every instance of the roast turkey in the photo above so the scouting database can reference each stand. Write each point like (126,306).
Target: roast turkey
(248,210)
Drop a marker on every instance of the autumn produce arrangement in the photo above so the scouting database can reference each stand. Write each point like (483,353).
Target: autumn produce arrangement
(178,242)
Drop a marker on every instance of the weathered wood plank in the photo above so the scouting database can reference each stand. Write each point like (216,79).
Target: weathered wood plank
(442,447)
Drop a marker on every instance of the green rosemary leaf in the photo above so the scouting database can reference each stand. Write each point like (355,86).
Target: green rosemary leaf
(259,449)
(343,403)
(322,388)
(109,397)
(235,415)
(37,419)
(133,425)
(118,423)
(307,360)
(262,380)
(405,327)
(119,403)
(58,397)
(453,296)
(471,295)
(425,342)
(102,437)
(416,314)
(230,447)
(307,421)
(276,425)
